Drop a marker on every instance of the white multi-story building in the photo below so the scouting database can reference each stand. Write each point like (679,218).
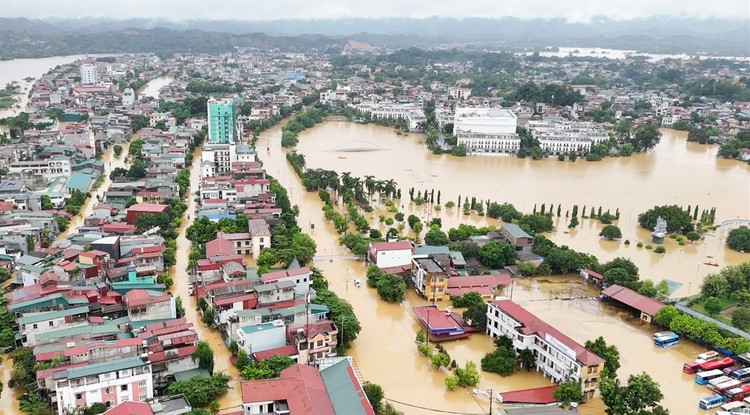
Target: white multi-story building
(89,75)
(412,113)
(558,136)
(217,159)
(459,92)
(128,97)
(557,355)
(109,383)
(486,130)
(55,166)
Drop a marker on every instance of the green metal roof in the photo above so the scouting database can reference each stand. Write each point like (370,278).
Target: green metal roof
(515,230)
(343,392)
(79,181)
(261,327)
(428,249)
(189,374)
(253,312)
(50,315)
(104,329)
(104,367)
(38,302)
(457,258)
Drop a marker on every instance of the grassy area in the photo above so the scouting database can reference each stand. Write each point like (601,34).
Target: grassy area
(725,304)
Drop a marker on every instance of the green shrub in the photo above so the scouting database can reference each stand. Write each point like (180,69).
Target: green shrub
(660,249)
(639,244)
(649,246)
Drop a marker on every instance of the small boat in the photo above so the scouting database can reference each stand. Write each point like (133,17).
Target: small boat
(712,264)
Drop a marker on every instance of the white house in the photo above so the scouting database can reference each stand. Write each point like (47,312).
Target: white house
(301,277)
(390,254)
(557,355)
(109,383)
(262,337)
(486,130)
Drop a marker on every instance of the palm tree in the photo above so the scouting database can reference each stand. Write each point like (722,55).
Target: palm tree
(370,185)
(389,187)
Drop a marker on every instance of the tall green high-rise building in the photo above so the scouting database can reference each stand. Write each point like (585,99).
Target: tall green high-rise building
(222,121)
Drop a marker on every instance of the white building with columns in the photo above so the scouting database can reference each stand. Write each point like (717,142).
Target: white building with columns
(486,130)
(558,136)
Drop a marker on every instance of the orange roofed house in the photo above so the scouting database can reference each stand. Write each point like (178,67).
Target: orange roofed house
(305,390)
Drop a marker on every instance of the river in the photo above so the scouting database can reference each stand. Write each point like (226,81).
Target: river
(385,353)
(18,69)
(154,86)
(625,54)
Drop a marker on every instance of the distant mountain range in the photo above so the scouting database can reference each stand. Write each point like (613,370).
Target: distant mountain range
(90,35)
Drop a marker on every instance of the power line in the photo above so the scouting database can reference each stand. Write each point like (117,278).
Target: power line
(442,411)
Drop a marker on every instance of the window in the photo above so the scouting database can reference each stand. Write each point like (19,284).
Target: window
(124,387)
(109,403)
(320,343)
(51,323)
(79,396)
(142,384)
(34,326)
(143,396)
(107,390)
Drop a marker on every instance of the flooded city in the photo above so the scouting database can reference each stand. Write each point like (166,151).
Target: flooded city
(668,174)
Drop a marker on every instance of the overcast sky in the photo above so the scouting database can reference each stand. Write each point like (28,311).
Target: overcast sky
(572,10)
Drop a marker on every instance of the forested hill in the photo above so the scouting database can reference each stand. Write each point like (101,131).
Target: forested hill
(21,37)
(15,45)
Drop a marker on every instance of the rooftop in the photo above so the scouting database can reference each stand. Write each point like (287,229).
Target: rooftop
(633,299)
(300,386)
(103,367)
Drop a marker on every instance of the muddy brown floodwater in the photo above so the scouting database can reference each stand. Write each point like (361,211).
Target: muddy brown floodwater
(385,353)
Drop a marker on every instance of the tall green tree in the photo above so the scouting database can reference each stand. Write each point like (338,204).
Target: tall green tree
(205,356)
(609,353)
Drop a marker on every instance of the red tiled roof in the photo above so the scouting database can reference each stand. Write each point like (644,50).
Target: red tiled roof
(483,291)
(537,396)
(288,350)
(299,385)
(131,408)
(593,274)
(148,208)
(172,354)
(534,325)
(633,299)
(313,329)
(392,246)
(277,275)
(147,249)
(219,247)
(219,302)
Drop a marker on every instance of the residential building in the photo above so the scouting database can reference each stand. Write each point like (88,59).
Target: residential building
(486,130)
(430,278)
(222,121)
(142,306)
(262,337)
(301,390)
(217,159)
(459,92)
(31,324)
(89,75)
(522,241)
(55,166)
(109,383)
(301,277)
(128,97)
(389,254)
(557,355)
(315,340)
(144,209)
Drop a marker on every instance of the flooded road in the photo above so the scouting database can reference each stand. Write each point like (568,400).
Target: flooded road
(388,330)
(233,398)
(153,87)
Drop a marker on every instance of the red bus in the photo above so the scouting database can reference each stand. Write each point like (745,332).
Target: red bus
(738,394)
(692,367)
(716,364)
